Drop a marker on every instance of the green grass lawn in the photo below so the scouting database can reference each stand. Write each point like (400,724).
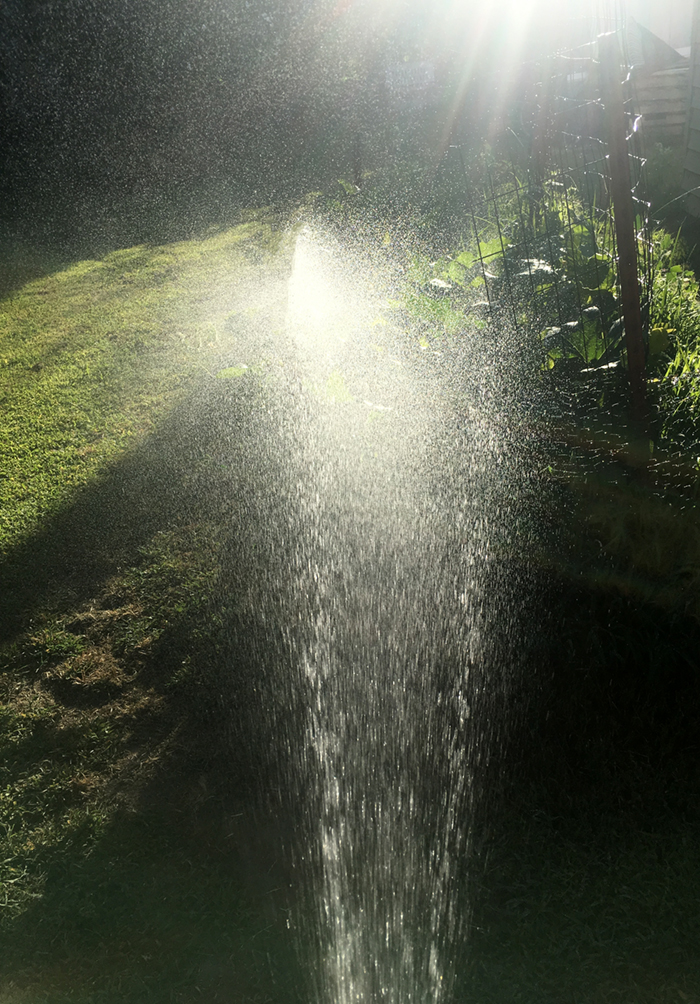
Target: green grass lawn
(126,872)
(95,355)
(120,876)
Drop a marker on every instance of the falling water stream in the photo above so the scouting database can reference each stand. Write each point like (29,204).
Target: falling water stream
(396,643)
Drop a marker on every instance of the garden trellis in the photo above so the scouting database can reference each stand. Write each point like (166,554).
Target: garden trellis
(560,234)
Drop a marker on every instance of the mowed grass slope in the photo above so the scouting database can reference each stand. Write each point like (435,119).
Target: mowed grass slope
(92,357)
(119,874)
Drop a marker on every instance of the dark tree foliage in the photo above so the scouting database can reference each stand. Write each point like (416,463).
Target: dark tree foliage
(119,90)
(120,96)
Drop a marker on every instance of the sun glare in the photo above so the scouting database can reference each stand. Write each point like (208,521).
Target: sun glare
(315,303)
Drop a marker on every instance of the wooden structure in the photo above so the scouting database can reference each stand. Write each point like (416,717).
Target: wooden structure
(691,173)
(662,101)
(660,77)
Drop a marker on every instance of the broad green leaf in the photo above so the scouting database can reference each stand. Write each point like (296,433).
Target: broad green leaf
(467,259)
(456,272)
(492,248)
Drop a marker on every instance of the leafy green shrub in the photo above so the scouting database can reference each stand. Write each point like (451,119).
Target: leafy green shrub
(546,257)
(674,340)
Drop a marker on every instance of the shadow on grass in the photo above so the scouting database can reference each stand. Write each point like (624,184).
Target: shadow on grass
(179,892)
(150,915)
(591,886)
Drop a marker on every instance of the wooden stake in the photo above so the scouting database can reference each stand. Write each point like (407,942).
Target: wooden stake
(623,207)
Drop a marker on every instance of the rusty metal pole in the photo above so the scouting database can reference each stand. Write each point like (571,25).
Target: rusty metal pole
(623,207)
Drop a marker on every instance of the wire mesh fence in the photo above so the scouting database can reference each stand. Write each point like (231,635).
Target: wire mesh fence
(545,221)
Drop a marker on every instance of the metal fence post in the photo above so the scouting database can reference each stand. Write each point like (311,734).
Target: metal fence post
(623,207)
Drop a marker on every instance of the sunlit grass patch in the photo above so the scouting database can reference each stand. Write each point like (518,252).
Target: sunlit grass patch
(92,357)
